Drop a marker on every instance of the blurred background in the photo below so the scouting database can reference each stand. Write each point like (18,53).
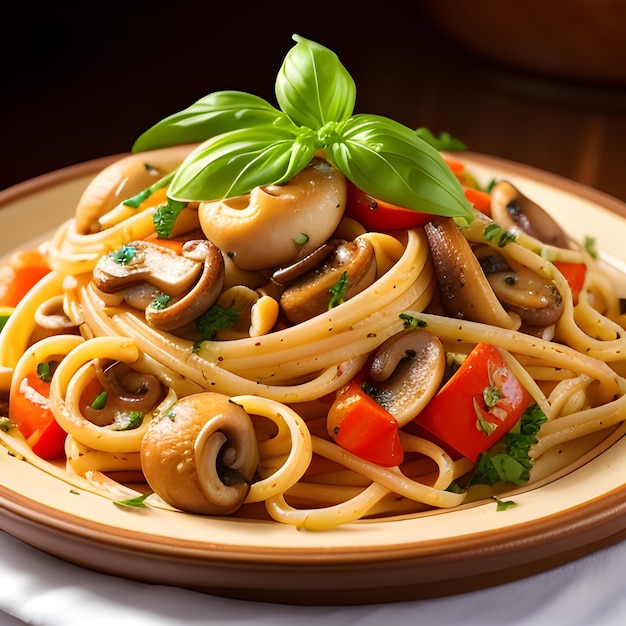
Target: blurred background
(542,83)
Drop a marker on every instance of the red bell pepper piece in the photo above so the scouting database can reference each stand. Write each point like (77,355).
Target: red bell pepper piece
(29,410)
(378,215)
(574,274)
(480,403)
(357,423)
(19,274)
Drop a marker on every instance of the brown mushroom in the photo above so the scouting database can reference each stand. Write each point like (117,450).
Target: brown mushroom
(310,295)
(127,391)
(407,370)
(122,180)
(190,282)
(464,290)
(511,209)
(51,315)
(200,297)
(291,219)
(533,297)
(202,455)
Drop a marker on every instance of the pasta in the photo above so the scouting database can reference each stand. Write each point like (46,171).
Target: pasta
(287,376)
(241,327)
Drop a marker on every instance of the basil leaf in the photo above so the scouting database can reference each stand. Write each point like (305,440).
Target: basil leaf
(389,161)
(212,115)
(233,163)
(313,87)
(445,142)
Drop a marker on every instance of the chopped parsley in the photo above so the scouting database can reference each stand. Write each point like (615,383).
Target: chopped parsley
(127,420)
(511,463)
(138,503)
(45,370)
(411,322)
(124,255)
(215,319)
(590,247)
(165,216)
(100,401)
(503,505)
(496,233)
(338,291)
(161,301)
(135,201)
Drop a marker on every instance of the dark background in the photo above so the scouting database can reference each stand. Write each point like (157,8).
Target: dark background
(82,80)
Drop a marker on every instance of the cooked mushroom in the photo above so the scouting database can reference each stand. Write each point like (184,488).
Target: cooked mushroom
(200,297)
(122,180)
(464,290)
(291,219)
(127,391)
(190,282)
(51,316)
(533,297)
(310,295)
(407,370)
(202,455)
(511,209)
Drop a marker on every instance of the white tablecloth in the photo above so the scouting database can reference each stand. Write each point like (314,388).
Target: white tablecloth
(39,589)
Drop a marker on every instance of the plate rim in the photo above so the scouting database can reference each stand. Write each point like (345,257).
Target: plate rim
(602,519)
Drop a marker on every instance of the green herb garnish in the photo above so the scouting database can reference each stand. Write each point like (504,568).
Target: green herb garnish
(338,291)
(124,255)
(511,464)
(499,235)
(590,247)
(135,201)
(247,142)
(127,420)
(445,142)
(165,216)
(503,505)
(99,401)
(161,301)
(45,370)
(215,319)
(410,321)
(138,503)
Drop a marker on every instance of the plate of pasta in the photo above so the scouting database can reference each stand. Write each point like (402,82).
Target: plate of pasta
(257,368)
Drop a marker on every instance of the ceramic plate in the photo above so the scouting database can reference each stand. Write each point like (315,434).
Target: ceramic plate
(565,516)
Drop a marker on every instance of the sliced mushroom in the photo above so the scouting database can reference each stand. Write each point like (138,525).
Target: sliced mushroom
(127,390)
(407,370)
(533,297)
(464,290)
(202,456)
(51,315)
(122,180)
(511,209)
(200,297)
(285,275)
(292,219)
(191,282)
(142,261)
(311,294)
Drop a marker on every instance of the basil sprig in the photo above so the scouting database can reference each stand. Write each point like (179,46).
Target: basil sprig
(246,142)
